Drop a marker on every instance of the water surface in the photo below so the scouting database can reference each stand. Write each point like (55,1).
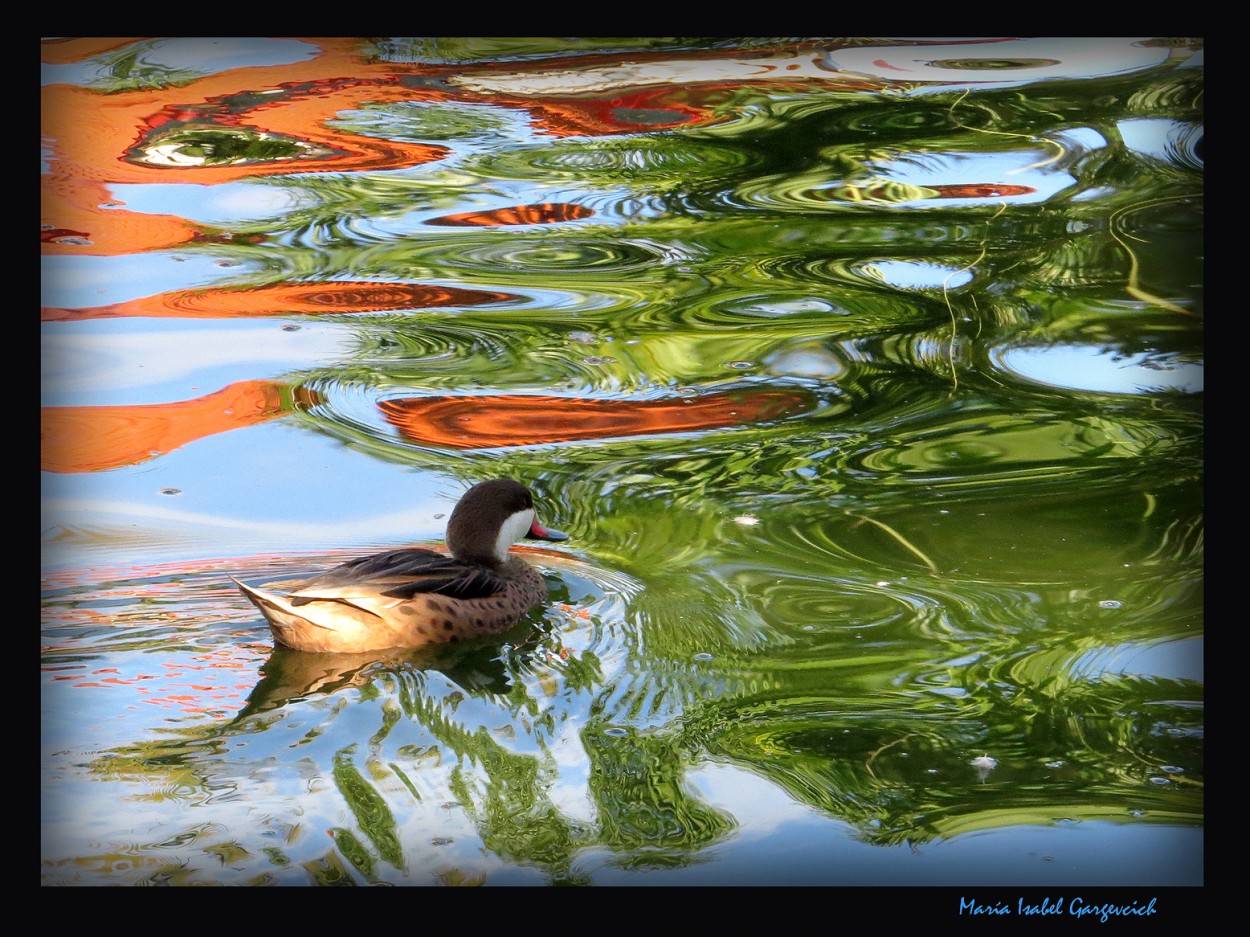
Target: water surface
(865,375)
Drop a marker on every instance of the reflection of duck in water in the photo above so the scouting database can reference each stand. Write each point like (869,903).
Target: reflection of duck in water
(411,596)
(290,676)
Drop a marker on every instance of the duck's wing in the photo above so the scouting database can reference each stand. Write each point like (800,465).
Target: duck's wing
(401,574)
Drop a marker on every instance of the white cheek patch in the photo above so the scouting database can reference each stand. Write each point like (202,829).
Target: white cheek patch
(513,529)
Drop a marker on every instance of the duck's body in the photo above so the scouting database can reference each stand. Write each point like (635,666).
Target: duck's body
(410,597)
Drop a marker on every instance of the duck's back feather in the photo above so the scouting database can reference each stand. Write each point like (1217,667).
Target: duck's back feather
(402,574)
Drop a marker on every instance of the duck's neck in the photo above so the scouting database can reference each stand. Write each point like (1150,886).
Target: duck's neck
(512,530)
(474,550)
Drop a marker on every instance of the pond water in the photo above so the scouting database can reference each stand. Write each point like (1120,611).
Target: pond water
(866,377)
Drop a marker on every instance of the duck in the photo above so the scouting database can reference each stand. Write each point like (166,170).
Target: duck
(410,597)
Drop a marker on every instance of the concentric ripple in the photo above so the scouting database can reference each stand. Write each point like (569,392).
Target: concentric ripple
(979,449)
(568,255)
(639,161)
(911,275)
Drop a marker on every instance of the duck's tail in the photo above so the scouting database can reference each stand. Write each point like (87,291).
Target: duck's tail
(282,616)
(329,625)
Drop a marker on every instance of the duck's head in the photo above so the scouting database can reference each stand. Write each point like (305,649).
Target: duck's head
(490,518)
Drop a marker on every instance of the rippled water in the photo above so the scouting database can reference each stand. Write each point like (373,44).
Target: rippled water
(865,375)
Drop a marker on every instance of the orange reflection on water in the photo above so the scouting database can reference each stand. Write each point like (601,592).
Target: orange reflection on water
(546,213)
(654,109)
(96,140)
(979,190)
(281,299)
(94,439)
(90,135)
(525,420)
(216,685)
(609,94)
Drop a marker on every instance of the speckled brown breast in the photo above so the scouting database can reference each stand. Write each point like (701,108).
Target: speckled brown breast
(439,619)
